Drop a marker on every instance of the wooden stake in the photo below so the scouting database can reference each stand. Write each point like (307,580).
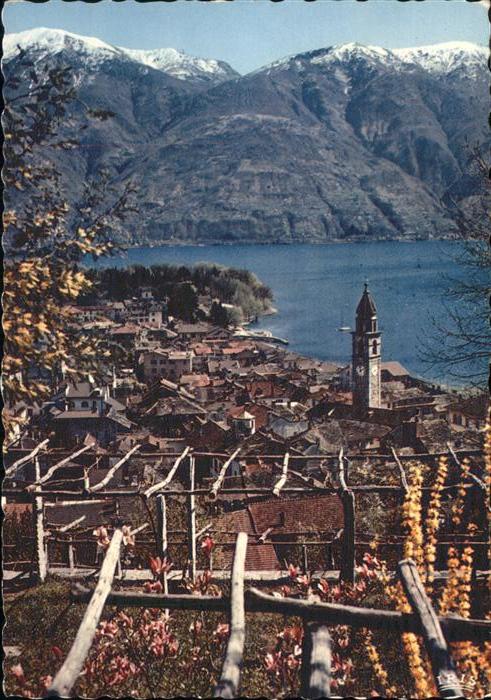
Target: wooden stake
(284,474)
(228,685)
(341,473)
(219,480)
(442,663)
(71,554)
(305,562)
(41,554)
(470,475)
(402,473)
(113,470)
(57,466)
(67,676)
(73,524)
(347,566)
(24,460)
(315,673)
(162,484)
(191,513)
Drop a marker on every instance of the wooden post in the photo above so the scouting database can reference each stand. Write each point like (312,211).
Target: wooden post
(304,558)
(315,673)
(347,566)
(119,569)
(402,472)
(41,558)
(442,663)
(162,534)
(228,685)
(341,472)
(71,554)
(69,672)
(221,476)
(9,471)
(191,513)
(284,474)
(162,484)
(58,465)
(113,470)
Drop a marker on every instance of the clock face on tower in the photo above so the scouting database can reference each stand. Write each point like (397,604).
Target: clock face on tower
(360,370)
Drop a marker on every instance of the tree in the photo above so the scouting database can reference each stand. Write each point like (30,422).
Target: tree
(45,237)
(183,301)
(460,339)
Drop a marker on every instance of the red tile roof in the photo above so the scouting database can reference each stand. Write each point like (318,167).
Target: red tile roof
(309,513)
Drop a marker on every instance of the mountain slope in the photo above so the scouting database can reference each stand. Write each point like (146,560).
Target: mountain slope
(343,142)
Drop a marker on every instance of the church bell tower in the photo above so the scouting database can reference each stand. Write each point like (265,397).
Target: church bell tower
(366,356)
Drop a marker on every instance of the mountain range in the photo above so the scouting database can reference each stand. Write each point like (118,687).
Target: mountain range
(345,142)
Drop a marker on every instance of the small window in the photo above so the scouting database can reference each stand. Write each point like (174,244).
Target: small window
(85,404)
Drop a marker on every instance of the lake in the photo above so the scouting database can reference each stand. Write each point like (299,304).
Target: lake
(317,287)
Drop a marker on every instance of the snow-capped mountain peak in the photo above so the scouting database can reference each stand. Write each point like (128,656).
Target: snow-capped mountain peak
(180,64)
(445,57)
(436,58)
(43,41)
(52,40)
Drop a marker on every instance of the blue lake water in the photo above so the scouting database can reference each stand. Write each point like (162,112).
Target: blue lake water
(317,287)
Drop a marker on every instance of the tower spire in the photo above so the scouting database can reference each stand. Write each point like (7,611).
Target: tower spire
(366,356)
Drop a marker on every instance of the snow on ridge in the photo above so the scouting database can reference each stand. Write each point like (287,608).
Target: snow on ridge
(169,60)
(445,57)
(434,57)
(176,62)
(52,40)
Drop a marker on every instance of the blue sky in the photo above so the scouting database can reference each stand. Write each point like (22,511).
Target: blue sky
(250,33)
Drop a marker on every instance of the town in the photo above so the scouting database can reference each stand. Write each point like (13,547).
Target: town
(199,389)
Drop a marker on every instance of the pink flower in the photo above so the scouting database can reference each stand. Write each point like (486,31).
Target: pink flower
(304,579)
(207,545)
(126,620)
(271,663)
(361,587)
(108,629)
(128,538)
(159,566)
(45,681)
(18,672)
(221,632)
(292,634)
(102,537)
(343,642)
(293,571)
(336,592)
(153,587)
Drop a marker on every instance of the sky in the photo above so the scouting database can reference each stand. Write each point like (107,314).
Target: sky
(251,33)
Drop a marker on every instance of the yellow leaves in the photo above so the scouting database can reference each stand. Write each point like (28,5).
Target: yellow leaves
(380,672)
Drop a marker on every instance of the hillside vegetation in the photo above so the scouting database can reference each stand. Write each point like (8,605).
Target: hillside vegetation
(181,286)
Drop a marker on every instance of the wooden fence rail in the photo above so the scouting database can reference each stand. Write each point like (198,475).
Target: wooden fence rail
(316,651)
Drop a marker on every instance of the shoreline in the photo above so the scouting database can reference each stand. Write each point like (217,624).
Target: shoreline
(247,242)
